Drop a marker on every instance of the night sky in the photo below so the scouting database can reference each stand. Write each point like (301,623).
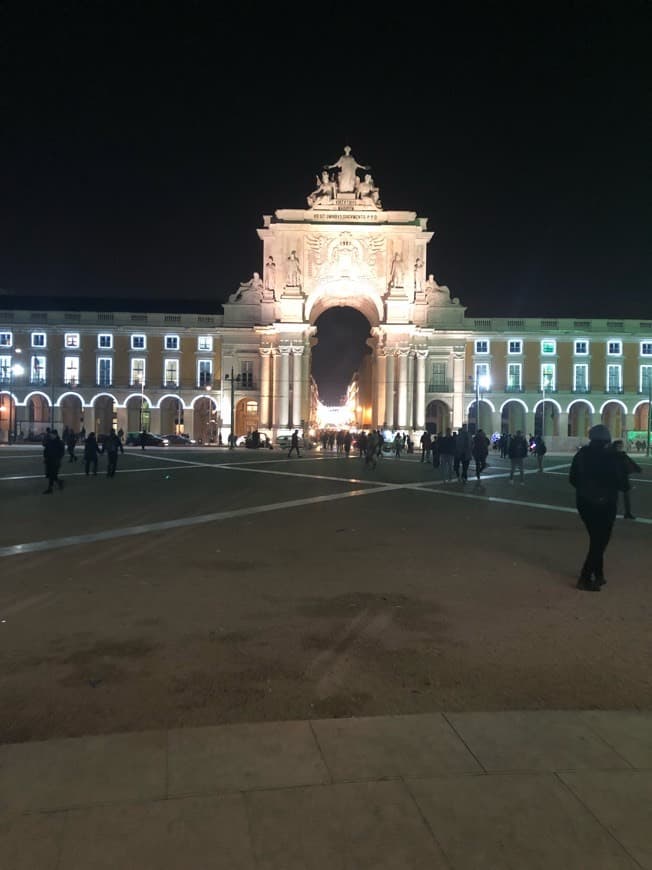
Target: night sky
(143,142)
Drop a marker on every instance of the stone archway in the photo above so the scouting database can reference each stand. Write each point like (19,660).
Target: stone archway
(104,414)
(172,415)
(246,416)
(546,419)
(513,417)
(613,417)
(438,417)
(71,412)
(38,415)
(641,417)
(205,420)
(341,331)
(7,416)
(580,419)
(139,414)
(486,417)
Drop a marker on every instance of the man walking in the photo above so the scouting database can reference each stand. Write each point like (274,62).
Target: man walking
(446,456)
(425,446)
(90,454)
(464,451)
(517,452)
(597,475)
(111,447)
(53,452)
(294,443)
(480,452)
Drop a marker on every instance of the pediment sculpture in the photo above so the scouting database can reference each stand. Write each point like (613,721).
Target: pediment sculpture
(249,292)
(438,294)
(345,180)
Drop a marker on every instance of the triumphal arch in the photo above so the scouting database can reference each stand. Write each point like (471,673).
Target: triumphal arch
(344,248)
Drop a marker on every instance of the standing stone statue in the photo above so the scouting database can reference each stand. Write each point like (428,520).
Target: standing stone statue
(418,266)
(293,270)
(347,164)
(396,273)
(270,274)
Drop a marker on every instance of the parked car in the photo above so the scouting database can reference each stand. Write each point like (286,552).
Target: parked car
(179,440)
(151,440)
(253,440)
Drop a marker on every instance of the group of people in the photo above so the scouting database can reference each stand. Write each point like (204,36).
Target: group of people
(55,447)
(452,452)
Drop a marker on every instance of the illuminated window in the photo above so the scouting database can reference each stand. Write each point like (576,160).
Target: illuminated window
(247,373)
(548,376)
(105,341)
(515,346)
(646,378)
(137,374)
(171,373)
(138,342)
(37,370)
(482,345)
(6,339)
(548,346)
(438,374)
(38,339)
(581,378)
(514,376)
(615,347)
(205,343)
(71,339)
(71,371)
(482,375)
(104,371)
(204,372)
(614,378)
(172,342)
(581,347)
(5,369)
(646,348)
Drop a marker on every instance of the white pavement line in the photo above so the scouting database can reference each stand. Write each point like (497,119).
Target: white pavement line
(120,472)
(201,519)
(232,466)
(513,502)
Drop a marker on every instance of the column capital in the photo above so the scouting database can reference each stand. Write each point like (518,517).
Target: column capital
(421,354)
(298,350)
(265,351)
(284,350)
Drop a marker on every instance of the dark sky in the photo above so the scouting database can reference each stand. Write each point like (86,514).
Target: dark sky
(143,142)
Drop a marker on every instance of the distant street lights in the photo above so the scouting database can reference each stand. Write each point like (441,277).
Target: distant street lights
(15,370)
(234,379)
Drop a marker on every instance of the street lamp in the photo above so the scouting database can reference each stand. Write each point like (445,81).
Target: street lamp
(234,379)
(546,380)
(482,382)
(15,370)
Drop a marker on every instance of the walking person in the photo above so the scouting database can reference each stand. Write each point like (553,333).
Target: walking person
(53,452)
(398,445)
(371,450)
(71,441)
(425,446)
(480,452)
(628,467)
(517,451)
(294,443)
(446,456)
(91,451)
(143,439)
(463,452)
(597,475)
(540,451)
(111,447)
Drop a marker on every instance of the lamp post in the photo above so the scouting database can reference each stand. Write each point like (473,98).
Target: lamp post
(545,383)
(482,382)
(233,379)
(15,369)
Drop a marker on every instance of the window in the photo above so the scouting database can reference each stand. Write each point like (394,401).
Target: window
(204,372)
(6,339)
(37,373)
(614,347)
(514,346)
(581,348)
(482,345)
(614,378)
(71,371)
(71,339)
(548,373)
(137,373)
(581,378)
(247,372)
(38,339)
(548,346)
(205,343)
(104,371)
(646,348)
(438,375)
(138,342)
(646,379)
(172,342)
(105,341)
(514,376)
(171,373)
(5,369)
(482,376)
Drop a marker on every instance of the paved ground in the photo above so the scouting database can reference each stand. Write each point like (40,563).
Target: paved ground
(199,588)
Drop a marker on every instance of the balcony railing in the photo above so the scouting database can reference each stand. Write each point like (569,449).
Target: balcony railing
(513,388)
(440,387)
(615,391)
(581,390)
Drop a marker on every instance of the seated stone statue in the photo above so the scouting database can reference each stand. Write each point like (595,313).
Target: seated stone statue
(249,291)
(367,192)
(436,294)
(325,190)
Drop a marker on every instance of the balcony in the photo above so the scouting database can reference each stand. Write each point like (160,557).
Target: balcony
(581,390)
(614,391)
(514,388)
(246,384)
(440,387)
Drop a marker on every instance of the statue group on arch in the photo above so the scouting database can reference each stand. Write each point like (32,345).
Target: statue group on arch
(345,180)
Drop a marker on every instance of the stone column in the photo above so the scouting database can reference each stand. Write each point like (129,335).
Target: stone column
(265,386)
(420,416)
(458,390)
(381,387)
(282,387)
(410,389)
(305,392)
(297,385)
(389,390)
(402,388)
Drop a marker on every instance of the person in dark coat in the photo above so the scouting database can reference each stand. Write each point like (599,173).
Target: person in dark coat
(71,441)
(628,467)
(425,442)
(294,443)
(111,447)
(480,452)
(517,452)
(143,439)
(464,451)
(91,451)
(597,475)
(53,452)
